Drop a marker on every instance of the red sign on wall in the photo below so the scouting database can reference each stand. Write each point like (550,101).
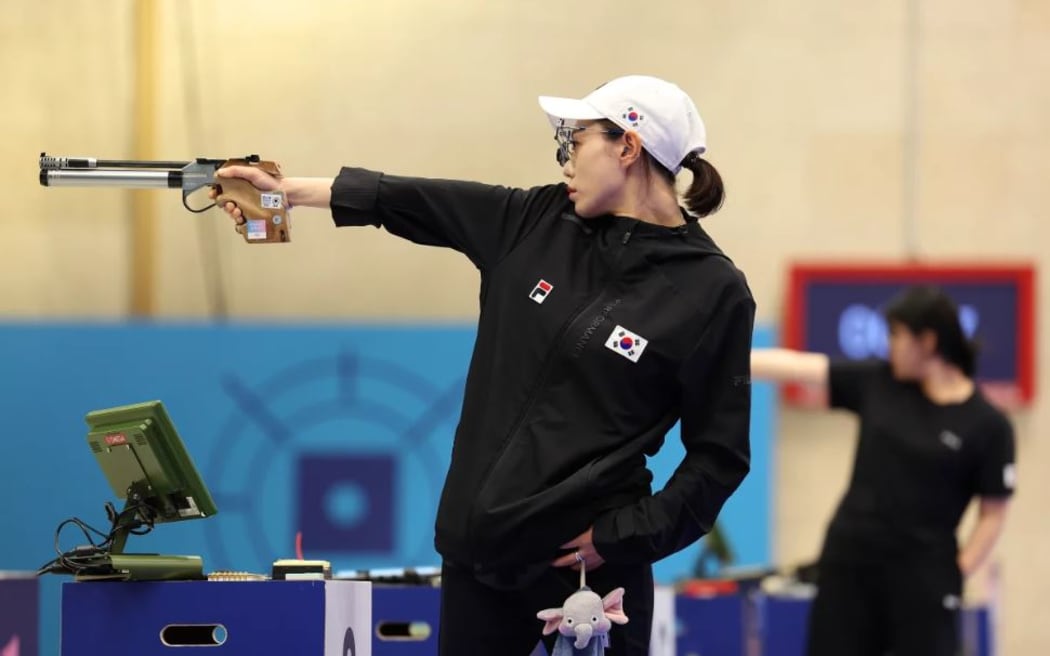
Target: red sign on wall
(837,309)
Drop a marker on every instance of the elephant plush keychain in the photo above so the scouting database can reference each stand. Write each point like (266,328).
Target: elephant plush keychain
(584,620)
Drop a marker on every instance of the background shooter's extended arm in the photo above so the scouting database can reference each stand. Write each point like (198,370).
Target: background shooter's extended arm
(265,212)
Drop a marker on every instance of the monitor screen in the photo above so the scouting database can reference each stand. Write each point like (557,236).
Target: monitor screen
(837,310)
(145,462)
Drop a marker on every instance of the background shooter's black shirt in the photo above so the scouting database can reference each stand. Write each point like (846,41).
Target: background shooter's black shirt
(918,464)
(555,425)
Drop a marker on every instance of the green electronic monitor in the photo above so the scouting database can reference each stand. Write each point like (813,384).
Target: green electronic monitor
(146,464)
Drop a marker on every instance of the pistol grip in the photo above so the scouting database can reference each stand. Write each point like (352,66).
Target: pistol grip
(265,213)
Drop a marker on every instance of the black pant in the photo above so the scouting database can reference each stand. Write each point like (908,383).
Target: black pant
(908,608)
(477,620)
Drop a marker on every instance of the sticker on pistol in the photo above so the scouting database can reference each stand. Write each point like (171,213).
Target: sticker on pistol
(271,201)
(256,229)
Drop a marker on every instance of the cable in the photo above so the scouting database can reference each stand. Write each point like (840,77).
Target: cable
(68,561)
(135,519)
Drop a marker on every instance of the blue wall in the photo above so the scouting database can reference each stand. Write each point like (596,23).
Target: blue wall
(343,432)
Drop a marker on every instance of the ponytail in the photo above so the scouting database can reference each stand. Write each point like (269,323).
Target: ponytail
(706,193)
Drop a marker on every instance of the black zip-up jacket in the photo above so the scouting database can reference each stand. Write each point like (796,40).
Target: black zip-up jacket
(639,326)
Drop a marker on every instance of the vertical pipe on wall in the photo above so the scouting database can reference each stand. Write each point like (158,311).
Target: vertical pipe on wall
(911,147)
(142,233)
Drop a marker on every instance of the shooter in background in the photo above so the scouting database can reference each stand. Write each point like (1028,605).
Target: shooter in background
(891,574)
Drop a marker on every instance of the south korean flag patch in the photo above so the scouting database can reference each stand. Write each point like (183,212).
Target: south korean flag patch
(626,343)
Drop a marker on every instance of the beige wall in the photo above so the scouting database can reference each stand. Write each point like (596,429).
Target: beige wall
(843,130)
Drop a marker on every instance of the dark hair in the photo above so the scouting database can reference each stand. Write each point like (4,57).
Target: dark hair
(925,307)
(706,192)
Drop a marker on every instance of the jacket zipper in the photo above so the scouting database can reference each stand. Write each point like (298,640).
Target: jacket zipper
(541,378)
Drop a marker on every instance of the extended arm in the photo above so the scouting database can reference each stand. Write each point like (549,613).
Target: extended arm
(479,220)
(785,365)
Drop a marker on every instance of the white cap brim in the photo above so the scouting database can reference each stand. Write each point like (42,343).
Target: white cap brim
(568,109)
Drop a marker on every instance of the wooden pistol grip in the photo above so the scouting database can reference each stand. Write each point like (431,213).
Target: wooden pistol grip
(265,213)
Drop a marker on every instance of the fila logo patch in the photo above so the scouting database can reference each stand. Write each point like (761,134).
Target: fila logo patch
(540,291)
(626,343)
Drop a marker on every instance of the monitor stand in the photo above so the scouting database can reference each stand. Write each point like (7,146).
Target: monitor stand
(115,565)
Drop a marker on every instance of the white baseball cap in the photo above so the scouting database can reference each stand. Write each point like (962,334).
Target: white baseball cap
(661,113)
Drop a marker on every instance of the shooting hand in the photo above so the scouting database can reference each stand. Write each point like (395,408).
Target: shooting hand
(257,178)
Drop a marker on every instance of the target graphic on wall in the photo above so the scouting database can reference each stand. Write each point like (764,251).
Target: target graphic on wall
(351,450)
